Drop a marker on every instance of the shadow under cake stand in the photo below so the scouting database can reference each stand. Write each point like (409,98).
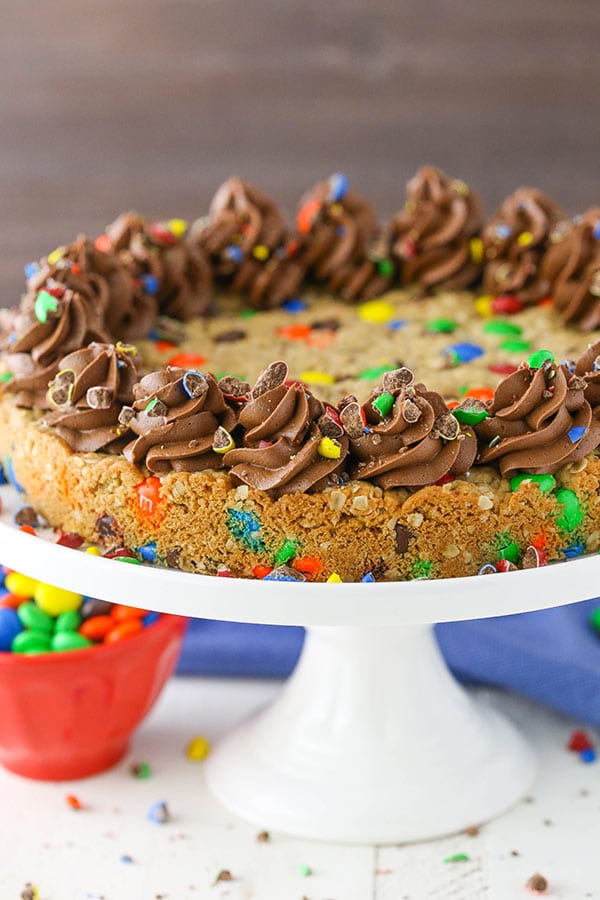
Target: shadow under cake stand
(371,740)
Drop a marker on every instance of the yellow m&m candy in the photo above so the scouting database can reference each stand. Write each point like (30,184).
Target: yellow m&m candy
(54,600)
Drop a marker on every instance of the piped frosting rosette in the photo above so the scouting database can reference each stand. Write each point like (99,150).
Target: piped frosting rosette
(435,238)
(87,396)
(342,246)
(292,442)
(51,323)
(181,420)
(94,272)
(588,368)
(170,274)
(514,241)
(249,246)
(572,268)
(538,420)
(405,435)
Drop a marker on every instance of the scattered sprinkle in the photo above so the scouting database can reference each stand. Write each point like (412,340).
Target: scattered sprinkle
(159,813)
(141,770)
(537,884)
(223,875)
(458,857)
(305,870)
(73,801)
(263,837)
(198,748)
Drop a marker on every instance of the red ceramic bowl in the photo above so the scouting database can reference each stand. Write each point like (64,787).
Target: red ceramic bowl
(68,715)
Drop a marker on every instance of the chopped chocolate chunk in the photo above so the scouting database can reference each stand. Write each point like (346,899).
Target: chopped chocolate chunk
(326,325)
(446,427)
(352,420)
(274,375)
(329,427)
(411,413)
(26,516)
(107,527)
(537,884)
(233,387)
(126,415)
(98,398)
(195,384)
(173,557)
(229,337)
(397,379)
(403,537)
(224,875)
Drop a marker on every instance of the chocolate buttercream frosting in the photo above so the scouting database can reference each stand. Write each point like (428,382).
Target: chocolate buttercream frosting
(182,422)
(87,396)
(170,274)
(538,420)
(435,238)
(342,246)
(514,242)
(572,268)
(92,270)
(292,442)
(405,435)
(249,245)
(50,323)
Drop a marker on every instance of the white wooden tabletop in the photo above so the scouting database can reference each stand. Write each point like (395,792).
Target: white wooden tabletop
(81,855)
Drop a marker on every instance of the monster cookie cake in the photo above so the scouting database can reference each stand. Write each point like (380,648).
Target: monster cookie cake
(336,400)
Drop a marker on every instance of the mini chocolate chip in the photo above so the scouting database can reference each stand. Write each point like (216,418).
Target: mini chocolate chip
(229,337)
(352,420)
(274,375)
(403,537)
(326,325)
(397,379)
(26,516)
(98,397)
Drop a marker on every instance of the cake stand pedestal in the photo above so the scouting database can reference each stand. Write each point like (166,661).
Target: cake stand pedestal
(371,740)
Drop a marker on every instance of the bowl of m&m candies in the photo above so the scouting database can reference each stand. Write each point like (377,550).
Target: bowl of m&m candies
(77,676)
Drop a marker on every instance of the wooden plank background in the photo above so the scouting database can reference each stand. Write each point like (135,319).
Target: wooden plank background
(149,104)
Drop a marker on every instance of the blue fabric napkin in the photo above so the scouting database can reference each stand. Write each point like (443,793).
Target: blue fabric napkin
(552,656)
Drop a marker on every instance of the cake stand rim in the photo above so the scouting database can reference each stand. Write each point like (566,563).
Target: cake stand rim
(418,602)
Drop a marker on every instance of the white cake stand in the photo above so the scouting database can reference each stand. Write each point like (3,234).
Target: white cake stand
(371,740)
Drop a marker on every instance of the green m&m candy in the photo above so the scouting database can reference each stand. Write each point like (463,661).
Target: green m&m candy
(470,412)
(31,641)
(538,358)
(572,514)
(384,403)
(67,621)
(501,327)
(69,640)
(35,619)
(546,483)
(441,326)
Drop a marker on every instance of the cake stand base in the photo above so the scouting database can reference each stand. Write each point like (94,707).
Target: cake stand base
(371,741)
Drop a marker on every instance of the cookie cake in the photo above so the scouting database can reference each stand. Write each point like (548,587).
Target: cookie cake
(336,399)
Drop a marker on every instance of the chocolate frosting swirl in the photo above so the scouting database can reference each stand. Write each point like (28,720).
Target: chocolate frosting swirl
(87,396)
(414,444)
(588,368)
(284,427)
(341,244)
(50,323)
(514,241)
(170,275)
(433,236)
(572,268)
(100,278)
(249,246)
(539,420)
(181,420)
